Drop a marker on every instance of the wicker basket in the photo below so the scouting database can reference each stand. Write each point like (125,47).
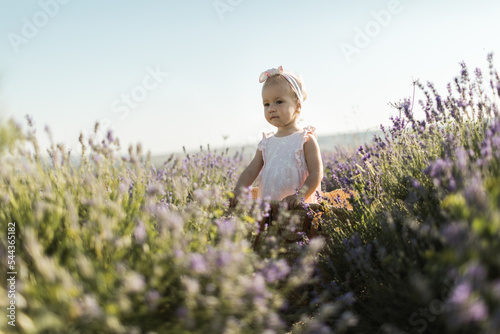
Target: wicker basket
(335,203)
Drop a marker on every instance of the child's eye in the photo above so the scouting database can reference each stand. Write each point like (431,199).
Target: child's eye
(279,102)
(266,104)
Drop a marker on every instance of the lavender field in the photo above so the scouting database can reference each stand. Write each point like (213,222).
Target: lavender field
(117,245)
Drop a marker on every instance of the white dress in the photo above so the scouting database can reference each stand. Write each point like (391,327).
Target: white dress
(285,168)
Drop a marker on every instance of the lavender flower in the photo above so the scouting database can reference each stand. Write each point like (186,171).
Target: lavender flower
(276,271)
(198,264)
(153,299)
(140,232)
(226,227)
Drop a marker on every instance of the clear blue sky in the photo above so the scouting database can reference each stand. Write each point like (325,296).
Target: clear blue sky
(71,63)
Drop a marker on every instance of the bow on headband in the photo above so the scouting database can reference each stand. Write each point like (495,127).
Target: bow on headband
(291,80)
(269,73)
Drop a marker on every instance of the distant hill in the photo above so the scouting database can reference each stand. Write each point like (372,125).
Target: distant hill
(327,144)
(345,140)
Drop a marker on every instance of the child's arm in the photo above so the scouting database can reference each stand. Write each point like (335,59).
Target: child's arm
(248,175)
(315,168)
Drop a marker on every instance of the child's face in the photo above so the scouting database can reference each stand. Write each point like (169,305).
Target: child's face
(280,105)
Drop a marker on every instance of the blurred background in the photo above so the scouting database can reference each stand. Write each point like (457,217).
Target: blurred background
(170,74)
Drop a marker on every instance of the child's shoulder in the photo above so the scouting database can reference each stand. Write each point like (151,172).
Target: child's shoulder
(267,135)
(309,129)
(309,132)
(263,142)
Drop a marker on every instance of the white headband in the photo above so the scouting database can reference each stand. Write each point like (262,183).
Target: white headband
(291,80)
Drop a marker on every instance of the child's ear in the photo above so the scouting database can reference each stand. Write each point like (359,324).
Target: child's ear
(299,106)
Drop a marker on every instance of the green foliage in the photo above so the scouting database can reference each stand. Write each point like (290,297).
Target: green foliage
(109,244)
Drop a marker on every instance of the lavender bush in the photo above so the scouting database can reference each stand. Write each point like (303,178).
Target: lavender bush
(109,243)
(419,253)
(113,245)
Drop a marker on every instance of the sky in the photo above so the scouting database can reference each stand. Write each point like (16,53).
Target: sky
(169,74)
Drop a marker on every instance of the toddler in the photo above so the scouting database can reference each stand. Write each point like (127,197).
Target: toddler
(289,161)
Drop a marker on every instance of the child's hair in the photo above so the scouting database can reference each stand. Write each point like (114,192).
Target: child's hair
(278,78)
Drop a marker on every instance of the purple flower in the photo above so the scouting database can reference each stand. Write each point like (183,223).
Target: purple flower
(223,258)
(110,136)
(476,272)
(439,168)
(462,158)
(29,118)
(152,299)
(475,194)
(122,187)
(154,189)
(461,293)
(455,234)
(140,232)
(347,299)
(257,286)
(476,311)
(178,253)
(225,227)
(198,264)
(276,271)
